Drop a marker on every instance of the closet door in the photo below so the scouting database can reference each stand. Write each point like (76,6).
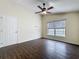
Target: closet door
(2,34)
(8,31)
(11,31)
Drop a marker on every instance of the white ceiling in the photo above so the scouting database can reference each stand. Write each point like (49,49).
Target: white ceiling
(59,5)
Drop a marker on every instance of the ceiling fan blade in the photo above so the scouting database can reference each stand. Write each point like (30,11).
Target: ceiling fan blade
(38,12)
(40,7)
(50,8)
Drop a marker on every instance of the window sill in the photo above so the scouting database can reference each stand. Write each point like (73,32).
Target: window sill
(57,36)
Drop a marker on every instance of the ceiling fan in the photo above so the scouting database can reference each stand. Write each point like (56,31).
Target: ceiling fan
(44,10)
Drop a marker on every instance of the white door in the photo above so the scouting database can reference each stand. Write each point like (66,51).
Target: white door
(9,31)
(2,38)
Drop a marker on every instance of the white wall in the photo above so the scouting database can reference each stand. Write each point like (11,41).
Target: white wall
(29,24)
(72,26)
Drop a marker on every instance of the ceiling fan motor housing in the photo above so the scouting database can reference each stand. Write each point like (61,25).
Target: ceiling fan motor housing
(44,9)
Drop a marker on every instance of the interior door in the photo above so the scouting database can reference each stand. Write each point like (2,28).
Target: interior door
(2,38)
(9,31)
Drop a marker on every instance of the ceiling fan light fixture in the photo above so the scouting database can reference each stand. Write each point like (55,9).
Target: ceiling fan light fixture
(44,12)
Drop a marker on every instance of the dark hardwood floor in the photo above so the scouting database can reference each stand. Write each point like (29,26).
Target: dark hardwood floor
(40,49)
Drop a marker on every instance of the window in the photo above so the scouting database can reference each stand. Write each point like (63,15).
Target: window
(56,28)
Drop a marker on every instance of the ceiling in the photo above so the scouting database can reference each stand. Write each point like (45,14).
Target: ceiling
(59,5)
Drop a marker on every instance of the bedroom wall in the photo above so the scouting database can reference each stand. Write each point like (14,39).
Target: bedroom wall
(72,26)
(29,24)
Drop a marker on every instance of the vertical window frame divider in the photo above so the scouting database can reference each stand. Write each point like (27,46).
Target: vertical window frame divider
(54,29)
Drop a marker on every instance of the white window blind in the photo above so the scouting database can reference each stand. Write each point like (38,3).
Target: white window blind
(56,28)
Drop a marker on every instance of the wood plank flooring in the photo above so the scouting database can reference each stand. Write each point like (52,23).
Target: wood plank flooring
(40,49)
